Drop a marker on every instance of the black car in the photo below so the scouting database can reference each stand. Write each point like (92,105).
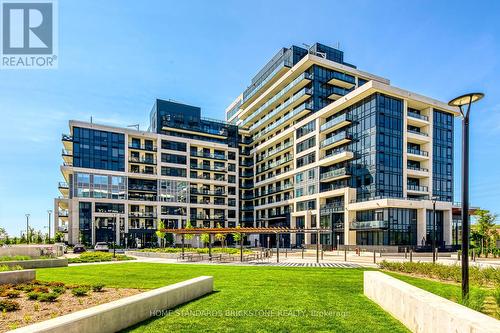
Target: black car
(78,248)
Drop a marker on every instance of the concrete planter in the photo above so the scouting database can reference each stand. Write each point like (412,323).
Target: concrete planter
(118,315)
(37,263)
(424,312)
(15,277)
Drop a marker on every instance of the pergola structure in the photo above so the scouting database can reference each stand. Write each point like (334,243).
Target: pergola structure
(240,230)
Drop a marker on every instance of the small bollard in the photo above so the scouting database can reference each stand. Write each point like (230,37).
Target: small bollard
(458,255)
(437,257)
(345,254)
(286,253)
(374,257)
(406,252)
(302,253)
(411,255)
(322,252)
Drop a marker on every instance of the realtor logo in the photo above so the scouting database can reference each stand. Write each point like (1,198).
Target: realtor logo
(29,34)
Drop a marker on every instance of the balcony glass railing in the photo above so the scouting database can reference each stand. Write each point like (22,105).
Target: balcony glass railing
(207,217)
(417,152)
(332,208)
(247,208)
(274,151)
(202,154)
(335,121)
(276,189)
(67,152)
(335,173)
(143,171)
(202,191)
(296,111)
(208,167)
(142,214)
(134,159)
(274,164)
(218,179)
(417,188)
(364,225)
(416,168)
(250,91)
(417,115)
(63,185)
(142,187)
(336,151)
(417,132)
(142,147)
(66,137)
(337,137)
(276,97)
(280,108)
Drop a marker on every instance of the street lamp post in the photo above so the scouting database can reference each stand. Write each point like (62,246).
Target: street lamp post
(114,236)
(49,212)
(434,199)
(461,102)
(27,228)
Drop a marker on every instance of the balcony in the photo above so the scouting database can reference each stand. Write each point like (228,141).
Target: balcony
(247,219)
(274,164)
(335,174)
(208,167)
(417,172)
(275,189)
(214,178)
(336,156)
(418,137)
(208,217)
(336,123)
(202,154)
(417,116)
(296,99)
(141,187)
(417,132)
(142,214)
(247,208)
(142,160)
(246,174)
(368,225)
(338,92)
(299,82)
(208,202)
(417,152)
(417,188)
(336,140)
(142,147)
(247,163)
(332,208)
(63,185)
(67,137)
(63,213)
(247,196)
(202,191)
(298,110)
(143,171)
(274,151)
(342,80)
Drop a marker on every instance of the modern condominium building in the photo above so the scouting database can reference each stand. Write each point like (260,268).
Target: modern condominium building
(312,142)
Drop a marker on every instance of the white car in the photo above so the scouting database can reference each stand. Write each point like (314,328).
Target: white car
(101,246)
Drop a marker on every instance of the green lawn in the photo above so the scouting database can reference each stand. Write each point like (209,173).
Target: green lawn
(274,299)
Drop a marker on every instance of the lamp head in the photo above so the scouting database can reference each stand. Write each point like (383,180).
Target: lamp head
(466,99)
(434,199)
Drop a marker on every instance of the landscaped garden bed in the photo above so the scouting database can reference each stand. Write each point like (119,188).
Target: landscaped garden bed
(35,301)
(98,257)
(444,280)
(198,250)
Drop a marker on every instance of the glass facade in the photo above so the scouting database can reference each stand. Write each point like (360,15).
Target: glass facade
(98,149)
(86,185)
(378,147)
(442,160)
(394,226)
(85,222)
(430,228)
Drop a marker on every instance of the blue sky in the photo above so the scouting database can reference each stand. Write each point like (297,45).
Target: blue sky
(116,57)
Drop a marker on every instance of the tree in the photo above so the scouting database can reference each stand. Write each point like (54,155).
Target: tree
(3,233)
(159,231)
(204,238)
(220,237)
(486,229)
(188,226)
(58,237)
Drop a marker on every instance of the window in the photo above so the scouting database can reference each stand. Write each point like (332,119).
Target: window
(308,128)
(173,172)
(173,145)
(306,144)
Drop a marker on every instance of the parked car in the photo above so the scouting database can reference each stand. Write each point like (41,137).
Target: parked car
(78,248)
(101,246)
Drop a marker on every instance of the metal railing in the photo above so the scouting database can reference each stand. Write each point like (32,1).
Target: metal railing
(335,173)
(417,115)
(337,137)
(274,151)
(417,152)
(417,188)
(364,225)
(335,121)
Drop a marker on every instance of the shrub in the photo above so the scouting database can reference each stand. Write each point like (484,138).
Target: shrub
(11,293)
(5,268)
(48,297)
(41,289)
(496,296)
(14,258)
(33,295)
(97,257)
(79,292)
(7,305)
(28,287)
(97,287)
(58,289)
(55,284)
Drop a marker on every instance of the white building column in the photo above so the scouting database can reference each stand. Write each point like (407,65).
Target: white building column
(447,227)
(421,226)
